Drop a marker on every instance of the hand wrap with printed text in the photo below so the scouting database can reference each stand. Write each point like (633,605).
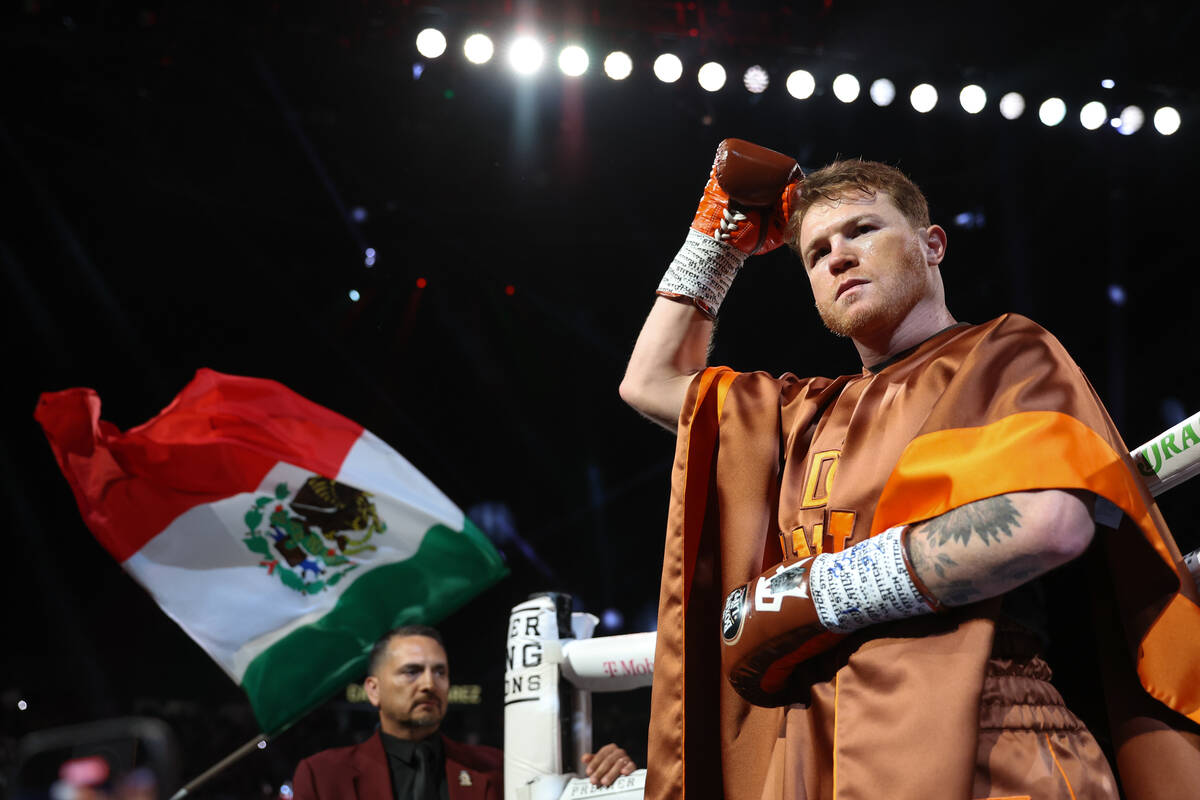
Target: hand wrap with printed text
(797,610)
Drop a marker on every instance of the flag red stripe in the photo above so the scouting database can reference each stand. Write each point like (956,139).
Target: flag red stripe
(219,437)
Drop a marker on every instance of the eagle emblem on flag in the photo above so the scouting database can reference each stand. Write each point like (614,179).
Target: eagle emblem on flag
(307,537)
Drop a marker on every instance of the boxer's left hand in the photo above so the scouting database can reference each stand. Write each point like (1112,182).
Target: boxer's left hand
(796,610)
(607,764)
(768,626)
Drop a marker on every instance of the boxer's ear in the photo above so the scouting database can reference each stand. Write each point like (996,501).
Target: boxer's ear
(933,241)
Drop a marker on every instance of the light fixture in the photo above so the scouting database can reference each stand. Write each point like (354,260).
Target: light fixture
(573,60)
(846,88)
(972,98)
(668,67)
(1052,111)
(525,55)
(618,65)
(1166,120)
(1093,115)
(1012,105)
(801,84)
(711,77)
(756,80)
(883,92)
(431,43)
(923,97)
(478,48)
(1131,120)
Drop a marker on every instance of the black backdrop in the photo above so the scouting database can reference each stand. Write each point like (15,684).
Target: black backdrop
(178,180)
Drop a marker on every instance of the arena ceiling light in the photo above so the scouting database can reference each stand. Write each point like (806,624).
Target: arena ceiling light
(1012,105)
(846,88)
(668,68)
(431,43)
(801,84)
(883,92)
(525,55)
(1108,83)
(573,60)
(478,48)
(756,80)
(711,77)
(1052,111)
(618,65)
(1131,120)
(1093,115)
(972,98)
(1166,120)
(923,97)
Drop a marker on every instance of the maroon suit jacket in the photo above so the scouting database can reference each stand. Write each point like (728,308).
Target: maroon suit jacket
(360,772)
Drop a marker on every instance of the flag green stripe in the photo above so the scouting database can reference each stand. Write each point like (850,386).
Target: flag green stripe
(449,568)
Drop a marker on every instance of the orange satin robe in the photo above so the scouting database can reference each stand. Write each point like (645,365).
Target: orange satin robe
(973,412)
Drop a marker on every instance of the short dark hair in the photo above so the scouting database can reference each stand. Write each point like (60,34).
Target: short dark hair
(379,650)
(842,179)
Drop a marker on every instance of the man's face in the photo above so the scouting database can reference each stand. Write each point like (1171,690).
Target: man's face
(411,688)
(867,264)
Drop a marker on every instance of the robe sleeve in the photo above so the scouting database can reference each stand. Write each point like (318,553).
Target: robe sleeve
(1019,415)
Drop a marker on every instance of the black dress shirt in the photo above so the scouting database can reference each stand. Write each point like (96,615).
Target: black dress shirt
(403,757)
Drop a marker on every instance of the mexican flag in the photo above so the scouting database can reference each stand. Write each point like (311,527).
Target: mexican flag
(281,536)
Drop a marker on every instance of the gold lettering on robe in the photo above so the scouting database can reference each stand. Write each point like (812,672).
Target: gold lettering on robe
(835,528)
(839,529)
(827,537)
(824,464)
(800,545)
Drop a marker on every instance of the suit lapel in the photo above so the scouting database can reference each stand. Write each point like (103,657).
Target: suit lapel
(372,777)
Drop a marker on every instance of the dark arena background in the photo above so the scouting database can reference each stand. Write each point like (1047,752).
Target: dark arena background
(459,257)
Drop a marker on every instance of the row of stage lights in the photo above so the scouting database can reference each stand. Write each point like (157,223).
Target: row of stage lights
(526,56)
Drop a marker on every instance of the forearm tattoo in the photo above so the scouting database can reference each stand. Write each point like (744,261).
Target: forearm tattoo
(937,547)
(988,518)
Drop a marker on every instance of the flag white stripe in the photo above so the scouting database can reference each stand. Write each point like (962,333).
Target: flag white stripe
(373,466)
(204,577)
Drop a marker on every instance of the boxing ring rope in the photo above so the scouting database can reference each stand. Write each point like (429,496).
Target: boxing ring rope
(553,665)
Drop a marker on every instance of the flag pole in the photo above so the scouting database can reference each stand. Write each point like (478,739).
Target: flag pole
(258,741)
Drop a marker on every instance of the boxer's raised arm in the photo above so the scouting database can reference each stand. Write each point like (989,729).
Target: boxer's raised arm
(672,347)
(743,211)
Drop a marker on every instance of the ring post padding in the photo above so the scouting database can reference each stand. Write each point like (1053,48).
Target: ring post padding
(610,663)
(540,718)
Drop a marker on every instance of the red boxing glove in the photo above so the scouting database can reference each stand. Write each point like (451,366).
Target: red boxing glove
(747,199)
(744,210)
(768,626)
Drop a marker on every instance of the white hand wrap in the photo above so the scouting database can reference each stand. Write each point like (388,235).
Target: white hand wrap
(703,270)
(865,584)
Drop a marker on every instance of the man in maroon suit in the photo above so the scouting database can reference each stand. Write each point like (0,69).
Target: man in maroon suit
(407,758)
